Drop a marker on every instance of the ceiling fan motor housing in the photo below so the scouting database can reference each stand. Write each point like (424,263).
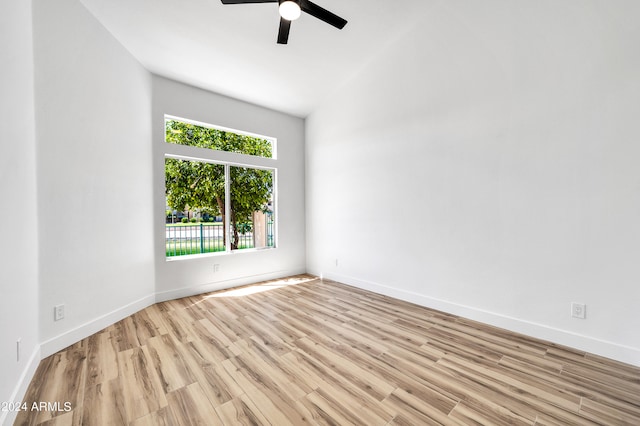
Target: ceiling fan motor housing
(290,9)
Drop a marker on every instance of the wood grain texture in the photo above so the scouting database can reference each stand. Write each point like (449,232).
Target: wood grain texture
(303,351)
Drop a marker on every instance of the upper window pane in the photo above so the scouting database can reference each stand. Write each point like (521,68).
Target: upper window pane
(184,133)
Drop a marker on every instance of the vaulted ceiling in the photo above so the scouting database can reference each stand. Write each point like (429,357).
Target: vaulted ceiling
(232,49)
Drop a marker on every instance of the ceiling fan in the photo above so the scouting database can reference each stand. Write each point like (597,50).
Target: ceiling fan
(290,10)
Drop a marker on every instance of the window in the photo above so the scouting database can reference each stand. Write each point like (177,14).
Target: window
(181,132)
(217,202)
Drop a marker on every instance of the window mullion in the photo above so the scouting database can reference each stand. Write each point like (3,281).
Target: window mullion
(227,207)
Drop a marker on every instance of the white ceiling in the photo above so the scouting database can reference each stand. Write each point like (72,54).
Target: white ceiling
(232,49)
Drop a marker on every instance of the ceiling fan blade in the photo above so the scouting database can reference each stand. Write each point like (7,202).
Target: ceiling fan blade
(248,1)
(283,32)
(322,14)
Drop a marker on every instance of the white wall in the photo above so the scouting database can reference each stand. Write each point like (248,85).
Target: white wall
(77,170)
(93,111)
(188,276)
(18,205)
(486,164)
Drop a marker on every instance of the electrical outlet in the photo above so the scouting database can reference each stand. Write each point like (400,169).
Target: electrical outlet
(18,350)
(216,267)
(58,312)
(336,262)
(578,310)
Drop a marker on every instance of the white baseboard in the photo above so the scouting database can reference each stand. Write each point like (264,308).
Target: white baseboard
(9,417)
(225,284)
(612,350)
(72,336)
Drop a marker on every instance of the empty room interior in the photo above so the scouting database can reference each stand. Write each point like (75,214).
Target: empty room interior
(452,201)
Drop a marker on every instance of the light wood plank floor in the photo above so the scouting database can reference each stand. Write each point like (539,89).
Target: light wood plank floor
(305,351)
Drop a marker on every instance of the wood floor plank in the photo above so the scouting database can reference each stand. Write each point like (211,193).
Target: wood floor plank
(269,333)
(350,392)
(419,410)
(142,390)
(272,392)
(564,408)
(102,364)
(302,350)
(443,340)
(62,381)
(274,409)
(606,414)
(104,404)
(217,384)
(162,417)
(191,406)
(471,413)
(390,333)
(144,326)
(424,375)
(219,344)
(336,406)
(257,354)
(604,381)
(531,354)
(346,334)
(123,335)
(241,411)
(66,419)
(42,379)
(340,365)
(179,327)
(155,314)
(266,378)
(169,363)
(500,379)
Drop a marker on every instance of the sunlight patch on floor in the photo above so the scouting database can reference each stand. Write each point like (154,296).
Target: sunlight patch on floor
(259,288)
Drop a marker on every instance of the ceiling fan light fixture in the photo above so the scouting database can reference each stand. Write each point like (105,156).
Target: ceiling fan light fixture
(290,10)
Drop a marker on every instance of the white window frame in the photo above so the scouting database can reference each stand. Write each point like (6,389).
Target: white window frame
(227,159)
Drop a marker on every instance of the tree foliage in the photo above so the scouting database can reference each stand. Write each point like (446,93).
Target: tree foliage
(200,186)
